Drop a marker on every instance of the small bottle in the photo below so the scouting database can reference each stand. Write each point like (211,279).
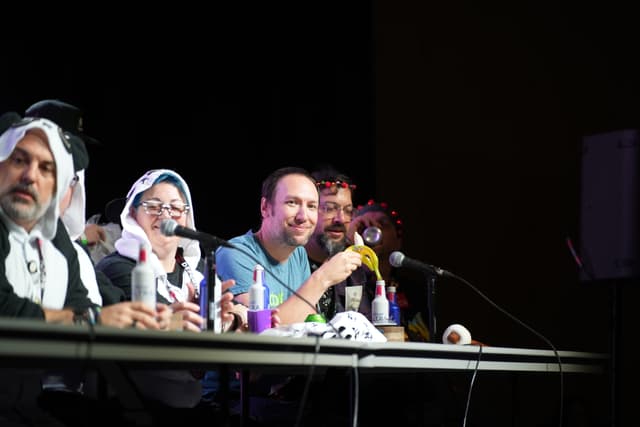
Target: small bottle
(267,292)
(143,281)
(203,301)
(380,305)
(256,290)
(394,308)
(259,315)
(214,294)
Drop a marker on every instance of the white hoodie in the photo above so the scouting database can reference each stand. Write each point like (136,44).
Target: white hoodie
(74,220)
(23,247)
(133,235)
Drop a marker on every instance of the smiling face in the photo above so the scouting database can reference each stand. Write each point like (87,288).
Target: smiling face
(292,215)
(166,195)
(334,215)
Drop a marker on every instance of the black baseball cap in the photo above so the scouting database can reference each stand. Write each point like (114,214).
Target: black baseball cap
(69,118)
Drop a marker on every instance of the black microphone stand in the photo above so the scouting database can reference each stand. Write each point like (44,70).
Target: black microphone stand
(210,318)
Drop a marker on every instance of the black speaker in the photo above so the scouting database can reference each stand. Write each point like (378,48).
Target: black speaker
(609,221)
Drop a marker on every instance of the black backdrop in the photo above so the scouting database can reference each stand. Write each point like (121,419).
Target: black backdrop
(223,97)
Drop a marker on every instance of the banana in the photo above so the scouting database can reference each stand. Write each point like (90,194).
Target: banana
(357,239)
(369,258)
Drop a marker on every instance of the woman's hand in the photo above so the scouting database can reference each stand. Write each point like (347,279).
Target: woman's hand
(186,317)
(130,314)
(164,313)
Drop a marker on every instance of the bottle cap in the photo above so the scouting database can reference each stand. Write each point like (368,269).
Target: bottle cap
(142,253)
(258,274)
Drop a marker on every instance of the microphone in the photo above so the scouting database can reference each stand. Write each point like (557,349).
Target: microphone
(397,259)
(170,227)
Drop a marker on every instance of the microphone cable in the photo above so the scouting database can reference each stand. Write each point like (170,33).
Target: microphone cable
(88,317)
(317,346)
(77,375)
(356,395)
(307,385)
(473,380)
(280,281)
(529,328)
(168,228)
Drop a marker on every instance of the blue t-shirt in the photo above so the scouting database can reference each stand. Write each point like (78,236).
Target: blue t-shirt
(238,264)
(281,278)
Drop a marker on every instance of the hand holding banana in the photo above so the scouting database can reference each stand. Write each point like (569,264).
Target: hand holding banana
(369,257)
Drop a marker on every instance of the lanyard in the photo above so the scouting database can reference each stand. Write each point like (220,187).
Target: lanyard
(31,266)
(172,289)
(187,268)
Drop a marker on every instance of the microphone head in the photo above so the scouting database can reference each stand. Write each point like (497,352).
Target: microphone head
(396,258)
(168,227)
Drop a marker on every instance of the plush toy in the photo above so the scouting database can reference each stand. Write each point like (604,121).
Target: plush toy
(458,335)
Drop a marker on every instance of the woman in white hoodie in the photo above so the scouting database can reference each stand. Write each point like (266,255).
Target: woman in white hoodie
(178,267)
(177,262)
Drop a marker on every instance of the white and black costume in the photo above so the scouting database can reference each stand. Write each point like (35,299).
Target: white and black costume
(39,269)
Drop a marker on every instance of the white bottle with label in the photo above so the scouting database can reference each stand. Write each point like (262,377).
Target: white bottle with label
(256,290)
(380,305)
(143,281)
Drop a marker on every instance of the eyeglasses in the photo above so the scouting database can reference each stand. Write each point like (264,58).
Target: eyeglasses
(331,209)
(74,181)
(154,207)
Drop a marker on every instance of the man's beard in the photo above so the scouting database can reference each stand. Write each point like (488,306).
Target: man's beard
(332,247)
(292,241)
(19,211)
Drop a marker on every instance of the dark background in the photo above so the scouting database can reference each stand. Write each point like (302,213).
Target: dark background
(468,120)
(222,96)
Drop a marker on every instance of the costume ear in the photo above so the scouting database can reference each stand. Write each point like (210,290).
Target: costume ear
(8,119)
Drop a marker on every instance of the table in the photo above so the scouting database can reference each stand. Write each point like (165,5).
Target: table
(30,343)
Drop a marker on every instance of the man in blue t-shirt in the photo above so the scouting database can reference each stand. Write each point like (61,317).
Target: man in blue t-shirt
(289,209)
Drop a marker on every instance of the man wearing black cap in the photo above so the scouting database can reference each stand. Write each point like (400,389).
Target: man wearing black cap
(39,271)
(69,118)
(73,213)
